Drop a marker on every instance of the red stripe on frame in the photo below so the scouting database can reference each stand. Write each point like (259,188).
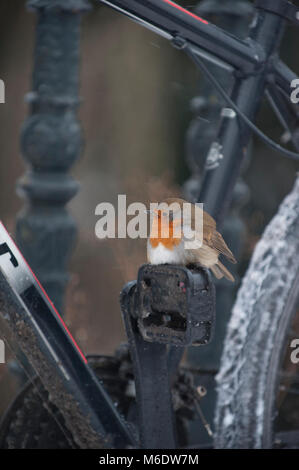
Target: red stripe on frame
(49,300)
(175,5)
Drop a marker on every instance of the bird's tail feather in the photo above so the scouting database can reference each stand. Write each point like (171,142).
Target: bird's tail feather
(219,270)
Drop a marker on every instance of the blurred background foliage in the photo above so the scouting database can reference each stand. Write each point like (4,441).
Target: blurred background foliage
(135,113)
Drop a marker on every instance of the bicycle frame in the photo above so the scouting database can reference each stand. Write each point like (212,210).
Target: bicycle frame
(164,17)
(43,336)
(256,64)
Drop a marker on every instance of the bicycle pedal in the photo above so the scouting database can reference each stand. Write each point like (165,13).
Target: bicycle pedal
(175,305)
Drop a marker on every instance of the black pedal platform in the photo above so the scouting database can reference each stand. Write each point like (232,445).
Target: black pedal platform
(174,305)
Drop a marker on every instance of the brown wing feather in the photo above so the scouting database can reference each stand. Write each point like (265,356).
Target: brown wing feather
(219,270)
(208,220)
(210,235)
(219,244)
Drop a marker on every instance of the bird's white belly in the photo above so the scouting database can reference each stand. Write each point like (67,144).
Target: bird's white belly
(162,255)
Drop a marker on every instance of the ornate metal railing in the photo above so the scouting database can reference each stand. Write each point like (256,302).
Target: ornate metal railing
(51,142)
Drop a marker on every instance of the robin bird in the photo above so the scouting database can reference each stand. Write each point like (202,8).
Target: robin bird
(166,244)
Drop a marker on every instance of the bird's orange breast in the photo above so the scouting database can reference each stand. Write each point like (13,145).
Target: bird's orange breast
(160,234)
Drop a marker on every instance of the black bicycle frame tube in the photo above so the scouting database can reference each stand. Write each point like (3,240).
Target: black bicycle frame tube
(43,336)
(170,20)
(234,136)
(255,61)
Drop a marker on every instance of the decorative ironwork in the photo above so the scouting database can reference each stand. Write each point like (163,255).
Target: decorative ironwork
(51,142)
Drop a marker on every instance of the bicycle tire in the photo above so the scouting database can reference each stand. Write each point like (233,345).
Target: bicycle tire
(33,422)
(248,377)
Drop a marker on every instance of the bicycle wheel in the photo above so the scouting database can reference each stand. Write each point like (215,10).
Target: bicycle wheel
(34,422)
(256,345)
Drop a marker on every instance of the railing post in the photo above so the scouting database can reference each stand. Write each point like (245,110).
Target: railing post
(51,142)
